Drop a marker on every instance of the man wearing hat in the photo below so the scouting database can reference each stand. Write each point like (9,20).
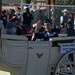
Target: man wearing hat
(46,33)
(64,17)
(48,30)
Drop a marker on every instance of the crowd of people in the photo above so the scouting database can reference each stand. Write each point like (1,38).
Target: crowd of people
(40,31)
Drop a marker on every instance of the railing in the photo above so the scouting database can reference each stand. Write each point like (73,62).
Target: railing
(53,12)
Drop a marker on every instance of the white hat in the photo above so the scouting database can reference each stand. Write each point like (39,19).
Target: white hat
(65,10)
(25,7)
(34,25)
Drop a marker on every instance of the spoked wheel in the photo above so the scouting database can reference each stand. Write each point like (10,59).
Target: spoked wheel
(66,65)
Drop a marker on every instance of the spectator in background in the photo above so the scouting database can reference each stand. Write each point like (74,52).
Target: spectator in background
(18,14)
(71,19)
(62,28)
(27,19)
(12,26)
(69,29)
(11,15)
(64,17)
(4,17)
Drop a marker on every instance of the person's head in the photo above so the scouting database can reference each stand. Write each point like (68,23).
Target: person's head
(47,24)
(12,11)
(65,11)
(3,11)
(69,25)
(18,9)
(26,9)
(61,25)
(71,15)
(38,25)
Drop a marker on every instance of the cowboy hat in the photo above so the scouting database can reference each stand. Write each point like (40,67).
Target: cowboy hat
(34,25)
(65,10)
(25,7)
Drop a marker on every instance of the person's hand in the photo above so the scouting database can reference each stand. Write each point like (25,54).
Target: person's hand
(38,27)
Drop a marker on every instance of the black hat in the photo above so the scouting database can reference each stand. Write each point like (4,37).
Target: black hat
(48,21)
(69,22)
